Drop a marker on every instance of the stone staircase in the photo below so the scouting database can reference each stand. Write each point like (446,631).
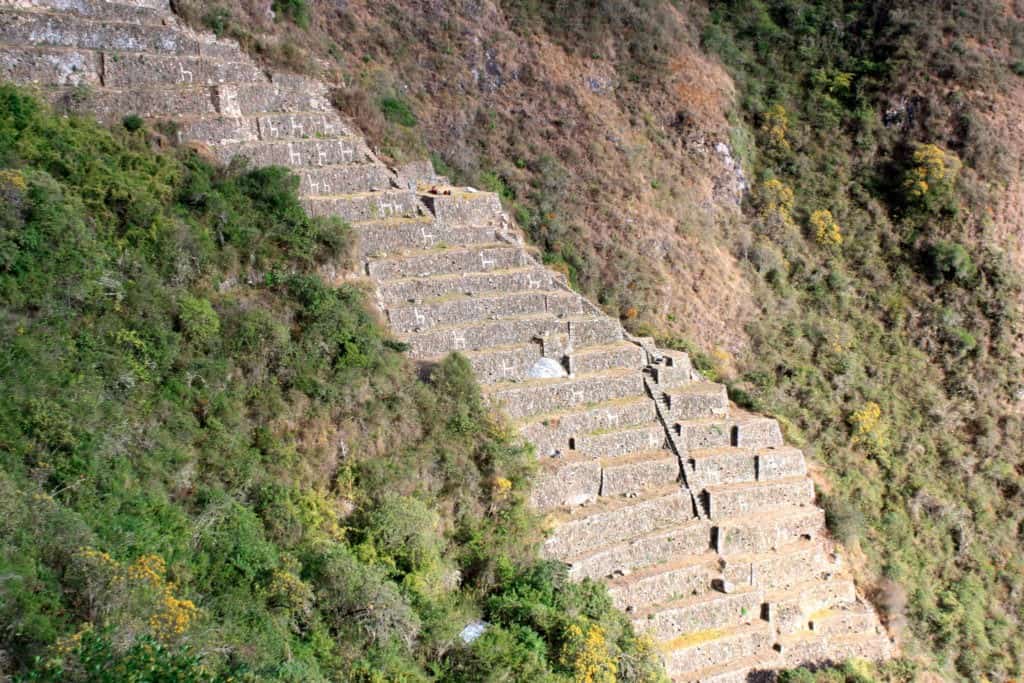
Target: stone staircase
(699,518)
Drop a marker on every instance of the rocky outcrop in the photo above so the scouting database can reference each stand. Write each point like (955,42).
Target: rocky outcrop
(700,519)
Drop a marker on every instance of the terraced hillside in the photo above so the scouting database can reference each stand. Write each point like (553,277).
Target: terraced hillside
(697,515)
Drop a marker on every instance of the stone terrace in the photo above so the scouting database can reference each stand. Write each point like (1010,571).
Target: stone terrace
(699,518)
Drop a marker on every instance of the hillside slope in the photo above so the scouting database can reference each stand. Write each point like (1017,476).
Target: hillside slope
(872,264)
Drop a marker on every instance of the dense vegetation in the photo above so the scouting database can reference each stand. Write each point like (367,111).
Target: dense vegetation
(888,332)
(213,467)
(891,334)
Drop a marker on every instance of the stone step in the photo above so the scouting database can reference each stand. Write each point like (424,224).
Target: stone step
(541,396)
(638,472)
(843,621)
(579,531)
(696,399)
(368,206)
(565,482)
(677,579)
(690,654)
(428,263)
(50,67)
(810,649)
(730,465)
(530,276)
(505,364)
(762,532)
(672,369)
(731,500)
(780,569)
(615,442)
(594,359)
(111,105)
(711,610)
(553,430)
(19,27)
(297,154)
(621,558)
(230,131)
(791,610)
(458,310)
(347,179)
(759,668)
(98,10)
(739,429)
(154,70)
(463,207)
(382,237)
(569,481)
(581,331)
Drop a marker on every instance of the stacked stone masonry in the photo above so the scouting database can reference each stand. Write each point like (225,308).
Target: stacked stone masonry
(699,518)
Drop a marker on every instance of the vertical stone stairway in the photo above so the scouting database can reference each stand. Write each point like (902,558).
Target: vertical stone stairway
(697,516)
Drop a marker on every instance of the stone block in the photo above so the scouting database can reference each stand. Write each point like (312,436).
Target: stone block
(345,179)
(365,206)
(686,538)
(146,70)
(427,315)
(542,396)
(506,364)
(286,94)
(463,207)
(791,611)
(711,610)
(720,465)
(554,430)
(416,175)
(489,334)
(672,581)
(780,463)
(610,444)
(775,570)
(49,67)
(297,153)
(813,650)
(527,277)
(674,369)
(634,475)
(111,106)
(386,236)
(731,500)
(762,533)
(50,30)
(446,261)
(298,126)
(614,522)
(123,11)
(701,433)
(215,130)
(565,483)
(754,431)
(718,648)
(624,355)
(696,399)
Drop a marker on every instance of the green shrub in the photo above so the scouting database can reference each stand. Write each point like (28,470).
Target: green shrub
(296,10)
(132,122)
(397,110)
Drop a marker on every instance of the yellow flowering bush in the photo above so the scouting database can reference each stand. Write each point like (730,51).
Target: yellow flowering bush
(119,594)
(776,201)
(826,229)
(587,654)
(868,426)
(930,182)
(775,126)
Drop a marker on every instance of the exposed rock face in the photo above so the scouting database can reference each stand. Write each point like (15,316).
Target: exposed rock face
(698,516)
